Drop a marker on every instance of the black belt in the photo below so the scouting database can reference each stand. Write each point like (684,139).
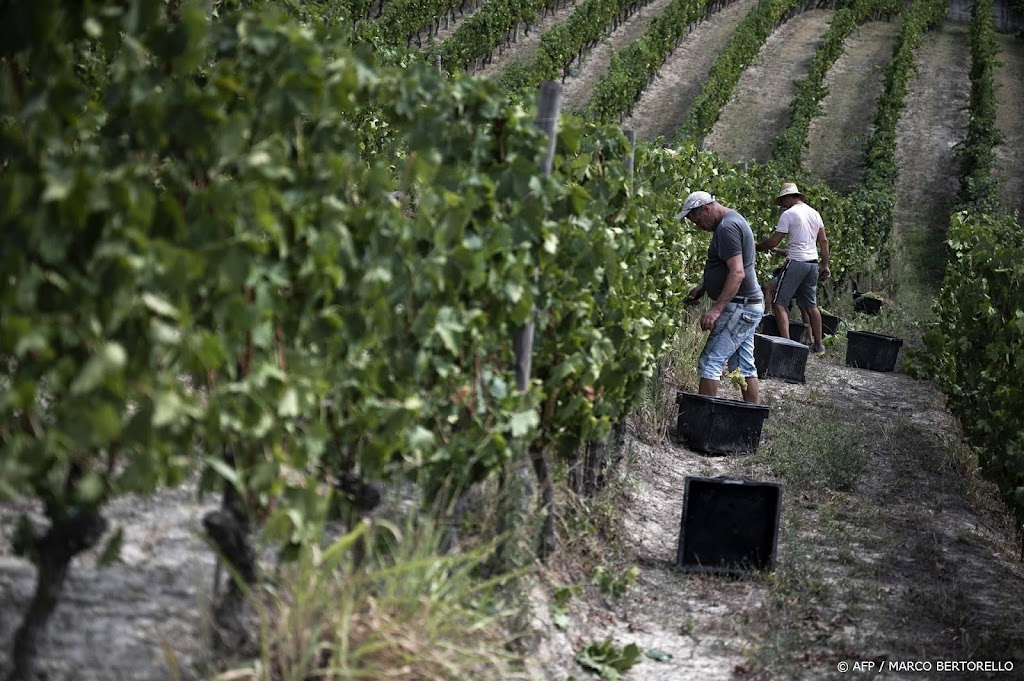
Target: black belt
(748,300)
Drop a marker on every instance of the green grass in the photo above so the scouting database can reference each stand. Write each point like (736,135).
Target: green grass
(402,611)
(678,371)
(811,446)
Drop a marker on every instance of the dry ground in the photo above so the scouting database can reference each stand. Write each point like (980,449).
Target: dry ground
(663,106)
(915,561)
(1010,121)
(597,61)
(933,123)
(759,108)
(835,142)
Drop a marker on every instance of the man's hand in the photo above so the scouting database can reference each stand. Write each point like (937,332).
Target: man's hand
(824,273)
(769,243)
(708,319)
(694,295)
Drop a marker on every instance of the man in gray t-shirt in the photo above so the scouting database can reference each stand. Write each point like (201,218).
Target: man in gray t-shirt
(730,281)
(732,236)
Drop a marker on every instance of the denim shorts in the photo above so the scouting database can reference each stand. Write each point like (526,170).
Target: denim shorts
(731,342)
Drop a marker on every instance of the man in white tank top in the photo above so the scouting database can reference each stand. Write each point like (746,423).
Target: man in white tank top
(804,232)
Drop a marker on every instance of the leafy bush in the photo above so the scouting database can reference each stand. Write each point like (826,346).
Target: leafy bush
(976,351)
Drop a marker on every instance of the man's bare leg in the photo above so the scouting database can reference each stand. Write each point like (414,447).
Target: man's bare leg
(817,339)
(753,392)
(781,320)
(709,387)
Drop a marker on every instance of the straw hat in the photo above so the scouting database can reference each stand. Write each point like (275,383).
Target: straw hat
(789,189)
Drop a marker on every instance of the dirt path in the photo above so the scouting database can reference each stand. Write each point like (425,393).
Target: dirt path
(1010,121)
(934,121)
(597,62)
(665,103)
(759,108)
(835,142)
(892,552)
(523,48)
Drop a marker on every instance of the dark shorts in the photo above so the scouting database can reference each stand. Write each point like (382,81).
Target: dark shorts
(799,280)
(774,278)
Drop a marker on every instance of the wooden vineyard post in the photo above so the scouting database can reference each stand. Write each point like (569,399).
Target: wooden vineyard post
(595,454)
(619,430)
(522,343)
(631,136)
(547,120)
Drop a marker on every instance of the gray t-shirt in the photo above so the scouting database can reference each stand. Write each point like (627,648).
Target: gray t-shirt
(732,236)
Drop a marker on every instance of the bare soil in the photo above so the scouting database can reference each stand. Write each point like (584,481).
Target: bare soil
(1010,155)
(597,61)
(933,123)
(766,88)
(663,106)
(837,138)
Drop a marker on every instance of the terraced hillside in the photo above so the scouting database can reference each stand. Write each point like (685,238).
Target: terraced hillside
(759,108)
(664,104)
(1010,121)
(597,61)
(525,44)
(934,122)
(835,143)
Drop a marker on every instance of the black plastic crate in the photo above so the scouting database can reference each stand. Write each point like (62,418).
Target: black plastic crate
(717,425)
(777,357)
(830,324)
(874,351)
(866,304)
(770,327)
(729,525)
